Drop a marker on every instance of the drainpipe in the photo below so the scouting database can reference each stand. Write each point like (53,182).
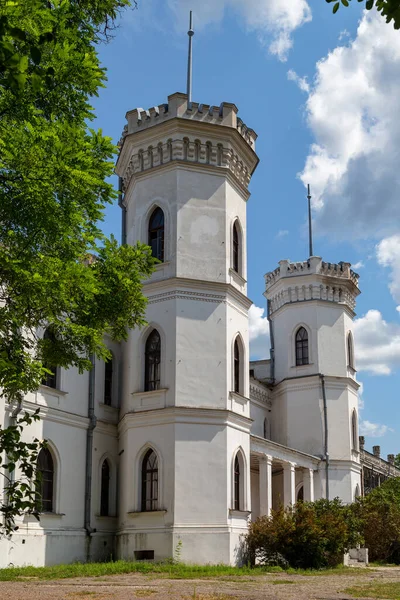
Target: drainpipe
(272,341)
(123,208)
(89,448)
(322,378)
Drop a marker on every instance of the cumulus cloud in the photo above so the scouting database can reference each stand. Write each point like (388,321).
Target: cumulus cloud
(388,255)
(258,333)
(374,430)
(352,111)
(377,344)
(273,21)
(358,265)
(301,82)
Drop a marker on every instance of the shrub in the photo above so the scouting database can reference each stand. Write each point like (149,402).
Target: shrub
(310,535)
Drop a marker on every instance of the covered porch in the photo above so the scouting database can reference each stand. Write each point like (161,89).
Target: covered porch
(279,476)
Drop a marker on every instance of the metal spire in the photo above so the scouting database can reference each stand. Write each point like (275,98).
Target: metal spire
(189,69)
(309,221)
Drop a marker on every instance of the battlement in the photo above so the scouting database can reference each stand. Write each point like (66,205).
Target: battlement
(333,283)
(177,106)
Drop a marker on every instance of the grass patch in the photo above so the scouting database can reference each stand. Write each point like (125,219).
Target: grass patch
(376,590)
(167,570)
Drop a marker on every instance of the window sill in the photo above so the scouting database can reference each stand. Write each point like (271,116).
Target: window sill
(111,517)
(352,370)
(108,407)
(160,265)
(136,513)
(150,393)
(51,514)
(239,513)
(302,366)
(239,397)
(239,279)
(49,390)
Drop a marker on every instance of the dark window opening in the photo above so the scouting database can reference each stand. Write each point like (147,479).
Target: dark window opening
(235,248)
(236,489)
(156,234)
(108,381)
(236,367)
(45,481)
(105,489)
(152,362)
(144,554)
(150,481)
(50,379)
(350,351)
(300,494)
(302,347)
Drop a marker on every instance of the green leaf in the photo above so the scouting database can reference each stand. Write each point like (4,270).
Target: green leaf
(369,4)
(345,2)
(336,7)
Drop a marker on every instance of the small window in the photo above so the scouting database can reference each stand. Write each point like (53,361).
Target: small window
(150,481)
(302,357)
(108,382)
(105,489)
(236,487)
(156,234)
(50,379)
(354,437)
(152,362)
(236,248)
(300,494)
(350,351)
(236,367)
(144,554)
(45,481)
(267,429)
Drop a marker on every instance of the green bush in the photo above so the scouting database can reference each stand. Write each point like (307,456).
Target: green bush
(310,535)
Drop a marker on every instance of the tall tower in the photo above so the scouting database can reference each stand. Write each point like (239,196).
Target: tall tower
(184,429)
(311,307)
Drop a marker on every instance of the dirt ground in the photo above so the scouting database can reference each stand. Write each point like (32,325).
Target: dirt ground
(276,586)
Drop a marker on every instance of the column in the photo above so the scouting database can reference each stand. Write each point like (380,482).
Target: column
(308,485)
(265,482)
(289,484)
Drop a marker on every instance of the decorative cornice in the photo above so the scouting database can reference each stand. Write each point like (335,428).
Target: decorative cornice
(260,394)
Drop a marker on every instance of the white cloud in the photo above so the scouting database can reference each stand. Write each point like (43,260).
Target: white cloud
(352,111)
(258,333)
(282,233)
(388,255)
(273,21)
(301,82)
(374,430)
(377,344)
(358,265)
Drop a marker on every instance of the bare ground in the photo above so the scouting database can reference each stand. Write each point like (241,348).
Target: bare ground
(273,586)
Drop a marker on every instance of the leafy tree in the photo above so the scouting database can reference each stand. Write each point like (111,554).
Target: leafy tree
(56,267)
(389,9)
(397,461)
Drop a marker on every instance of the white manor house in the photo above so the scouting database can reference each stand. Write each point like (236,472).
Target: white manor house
(180,440)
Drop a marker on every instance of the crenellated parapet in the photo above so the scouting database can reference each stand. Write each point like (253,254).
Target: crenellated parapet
(312,279)
(188,136)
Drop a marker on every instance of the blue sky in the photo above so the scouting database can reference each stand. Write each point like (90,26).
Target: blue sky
(322,92)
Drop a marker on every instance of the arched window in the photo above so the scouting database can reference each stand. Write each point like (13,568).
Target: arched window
(152,362)
(236,248)
(350,350)
(267,429)
(208,152)
(220,154)
(45,481)
(300,494)
(108,382)
(197,150)
(185,148)
(156,233)
(150,481)
(236,367)
(105,489)
(354,437)
(50,379)
(236,484)
(302,357)
(141,160)
(160,153)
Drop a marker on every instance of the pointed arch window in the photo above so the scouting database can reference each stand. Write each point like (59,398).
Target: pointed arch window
(236,484)
(350,350)
(236,247)
(302,354)
(105,489)
(108,382)
(300,494)
(152,362)
(236,367)
(354,436)
(150,481)
(156,234)
(45,481)
(50,379)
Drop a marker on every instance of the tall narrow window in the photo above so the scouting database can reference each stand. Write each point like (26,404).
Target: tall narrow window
(236,367)
(150,481)
(302,357)
(354,437)
(105,489)
(350,351)
(45,481)
(236,248)
(152,362)
(267,429)
(108,382)
(50,379)
(156,234)
(236,484)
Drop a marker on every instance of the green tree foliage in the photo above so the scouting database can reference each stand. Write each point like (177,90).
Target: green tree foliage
(379,515)
(389,9)
(56,267)
(311,535)
(397,461)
